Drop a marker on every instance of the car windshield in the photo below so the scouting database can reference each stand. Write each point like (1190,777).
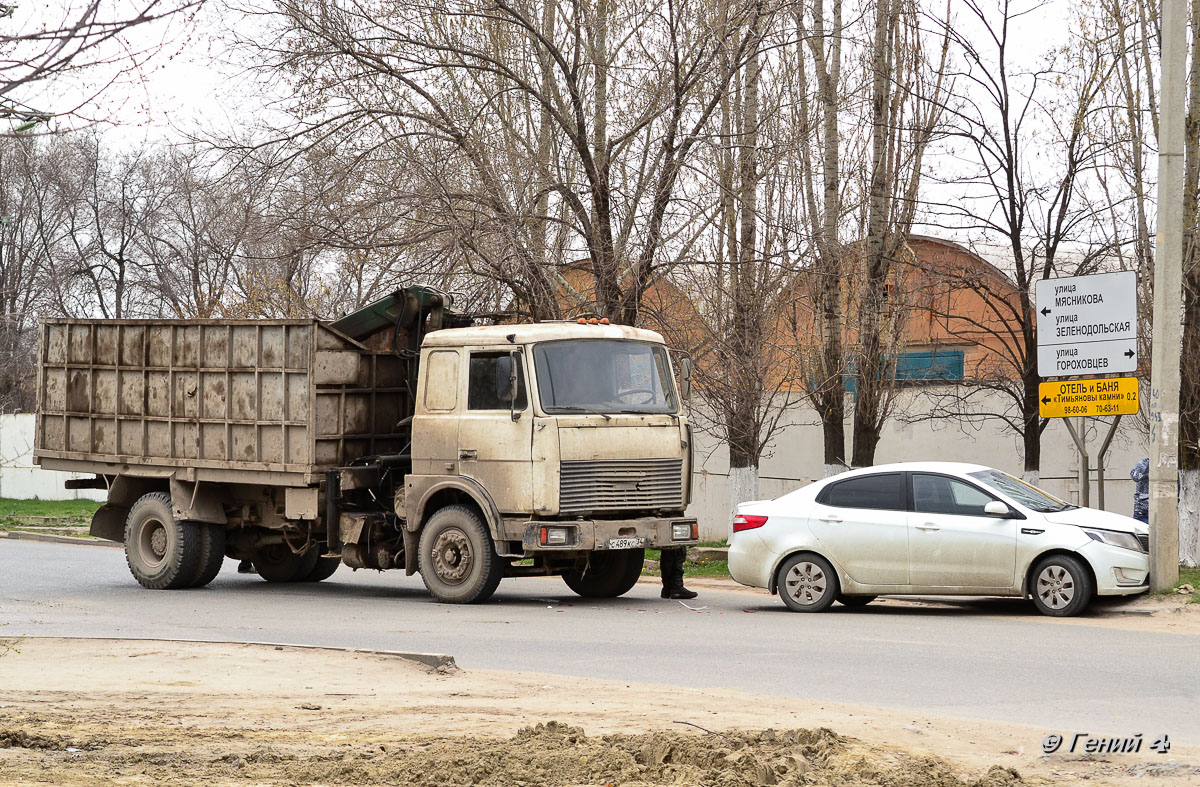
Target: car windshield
(1027,495)
(604,376)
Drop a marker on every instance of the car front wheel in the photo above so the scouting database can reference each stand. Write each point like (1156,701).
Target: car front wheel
(1061,586)
(807,583)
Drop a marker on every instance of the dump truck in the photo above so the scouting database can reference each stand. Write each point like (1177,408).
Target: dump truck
(405,435)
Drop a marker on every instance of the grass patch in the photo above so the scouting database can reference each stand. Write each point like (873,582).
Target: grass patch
(57,509)
(708,568)
(1187,576)
(1190,576)
(43,514)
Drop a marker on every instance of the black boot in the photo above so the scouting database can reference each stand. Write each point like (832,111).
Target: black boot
(671,566)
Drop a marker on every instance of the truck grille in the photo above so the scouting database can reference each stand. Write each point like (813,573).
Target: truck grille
(620,485)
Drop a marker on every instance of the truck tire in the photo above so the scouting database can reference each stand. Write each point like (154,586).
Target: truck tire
(610,574)
(278,563)
(212,549)
(162,554)
(458,560)
(323,569)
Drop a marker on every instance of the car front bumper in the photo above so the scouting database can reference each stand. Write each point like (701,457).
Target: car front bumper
(1119,572)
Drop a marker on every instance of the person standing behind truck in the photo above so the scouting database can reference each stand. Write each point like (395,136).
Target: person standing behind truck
(1141,490)
(670,565)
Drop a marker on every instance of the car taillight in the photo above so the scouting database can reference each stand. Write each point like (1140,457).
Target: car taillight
(747,522)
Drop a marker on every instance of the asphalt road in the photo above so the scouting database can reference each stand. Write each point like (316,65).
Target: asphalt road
(999,661)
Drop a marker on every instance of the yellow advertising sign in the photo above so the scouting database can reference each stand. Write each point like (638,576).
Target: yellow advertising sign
(1112,396)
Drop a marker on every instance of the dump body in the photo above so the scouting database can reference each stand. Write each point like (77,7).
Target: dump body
(251,401)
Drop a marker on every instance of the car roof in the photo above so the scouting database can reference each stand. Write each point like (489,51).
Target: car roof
(958,468)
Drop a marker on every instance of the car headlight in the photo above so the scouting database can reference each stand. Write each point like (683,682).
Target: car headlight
(1114,538)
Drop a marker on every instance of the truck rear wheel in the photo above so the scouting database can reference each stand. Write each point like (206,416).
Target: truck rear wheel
(212,550)
(162,554)
(323,569)
(278,563)
(458,561)
(609,574)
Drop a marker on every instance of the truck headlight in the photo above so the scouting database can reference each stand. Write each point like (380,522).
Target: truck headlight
(681,531)
(1115,538)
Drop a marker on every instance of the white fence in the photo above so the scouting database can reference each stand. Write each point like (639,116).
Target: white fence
(20,478)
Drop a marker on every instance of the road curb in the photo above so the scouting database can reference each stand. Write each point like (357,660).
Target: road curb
(22,535)
(436,661)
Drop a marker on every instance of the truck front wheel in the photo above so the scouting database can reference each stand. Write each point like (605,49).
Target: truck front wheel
(458,561)
(162,554)
(608,575)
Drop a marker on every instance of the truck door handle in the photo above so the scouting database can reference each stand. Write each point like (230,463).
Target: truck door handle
(468,453)
(928,526)
(830,518)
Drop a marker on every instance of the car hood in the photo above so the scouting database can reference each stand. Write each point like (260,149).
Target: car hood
(1091,517)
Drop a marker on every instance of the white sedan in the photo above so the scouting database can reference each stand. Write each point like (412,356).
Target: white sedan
(935,528)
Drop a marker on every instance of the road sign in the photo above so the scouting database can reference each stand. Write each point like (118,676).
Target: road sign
(1087,324)
(1109,396)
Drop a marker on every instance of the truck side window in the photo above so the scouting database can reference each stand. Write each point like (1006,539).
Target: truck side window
(487,387)
(441,380)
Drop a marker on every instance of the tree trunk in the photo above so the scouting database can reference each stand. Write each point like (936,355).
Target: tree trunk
(873,370)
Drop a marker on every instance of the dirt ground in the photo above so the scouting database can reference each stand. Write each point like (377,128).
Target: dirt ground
(81,712)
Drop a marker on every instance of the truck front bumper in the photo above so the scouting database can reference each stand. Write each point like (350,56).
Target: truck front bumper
(570,535)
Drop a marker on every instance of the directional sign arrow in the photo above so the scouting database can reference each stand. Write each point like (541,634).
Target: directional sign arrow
(1045,312)
(1128,353)
(1045,400)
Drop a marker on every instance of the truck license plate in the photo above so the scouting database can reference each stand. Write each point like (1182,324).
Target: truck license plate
(626,543)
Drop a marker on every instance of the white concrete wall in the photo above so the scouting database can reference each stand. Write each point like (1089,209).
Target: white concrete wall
(20,478)
(795,459)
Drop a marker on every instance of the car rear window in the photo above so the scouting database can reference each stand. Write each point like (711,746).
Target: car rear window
(884,491)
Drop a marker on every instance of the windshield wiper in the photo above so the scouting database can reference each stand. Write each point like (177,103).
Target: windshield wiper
(577,409)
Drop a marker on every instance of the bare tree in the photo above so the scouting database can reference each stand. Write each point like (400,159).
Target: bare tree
(907,94)
(822,116)
(77,36)
(739,283)
(23,212)
(514,122)
(1029,157)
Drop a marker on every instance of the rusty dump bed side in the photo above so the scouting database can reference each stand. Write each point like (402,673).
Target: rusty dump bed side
(253,401)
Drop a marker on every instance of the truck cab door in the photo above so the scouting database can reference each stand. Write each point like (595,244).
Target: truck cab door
(495,435)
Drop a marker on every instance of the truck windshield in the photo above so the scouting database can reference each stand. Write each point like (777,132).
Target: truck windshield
(604,376)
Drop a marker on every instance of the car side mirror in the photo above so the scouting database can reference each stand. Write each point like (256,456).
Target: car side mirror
(685,379)
(997,509)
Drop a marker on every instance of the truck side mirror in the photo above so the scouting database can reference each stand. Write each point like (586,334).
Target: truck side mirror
(513,360)
(685,379)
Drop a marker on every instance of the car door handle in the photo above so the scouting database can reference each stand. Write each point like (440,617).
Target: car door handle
(468,453)
(928,526)
(830,518)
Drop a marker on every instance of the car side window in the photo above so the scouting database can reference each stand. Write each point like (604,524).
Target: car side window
(488,382)
(882,491)
(939,494)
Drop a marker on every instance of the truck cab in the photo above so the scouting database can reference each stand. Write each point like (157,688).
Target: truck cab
(567,438)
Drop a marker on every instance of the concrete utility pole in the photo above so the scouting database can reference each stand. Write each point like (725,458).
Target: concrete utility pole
(1168,303)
